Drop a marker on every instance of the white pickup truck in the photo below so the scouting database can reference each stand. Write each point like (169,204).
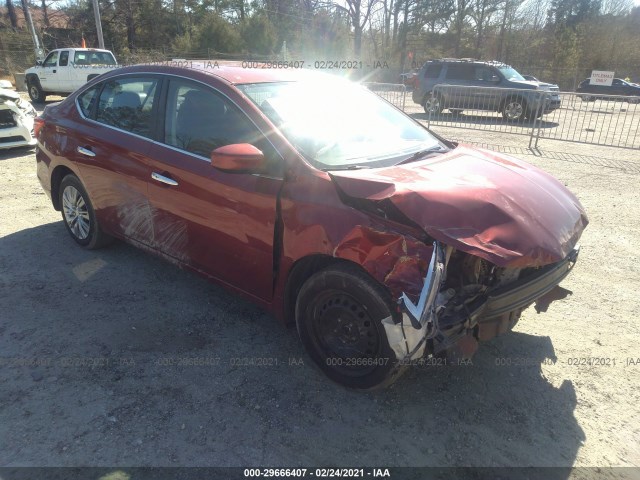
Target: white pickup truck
(65,70)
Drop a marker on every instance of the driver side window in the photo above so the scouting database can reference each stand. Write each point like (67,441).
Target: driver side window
(52,60)
(199,120)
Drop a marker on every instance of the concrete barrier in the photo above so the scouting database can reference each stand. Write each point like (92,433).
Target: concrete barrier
(21,84)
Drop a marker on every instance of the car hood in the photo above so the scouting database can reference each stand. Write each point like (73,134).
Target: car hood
(483,203)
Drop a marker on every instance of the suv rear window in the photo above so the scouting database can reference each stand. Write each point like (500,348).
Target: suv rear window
(460,71)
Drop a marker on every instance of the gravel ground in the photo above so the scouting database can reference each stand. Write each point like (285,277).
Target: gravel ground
(98,351)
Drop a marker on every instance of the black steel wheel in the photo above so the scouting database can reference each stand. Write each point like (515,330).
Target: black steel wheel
(338,315)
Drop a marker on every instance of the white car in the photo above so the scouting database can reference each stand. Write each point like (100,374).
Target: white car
(65,70)
(16,120)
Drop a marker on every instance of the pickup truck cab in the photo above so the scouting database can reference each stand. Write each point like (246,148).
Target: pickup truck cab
(65,70)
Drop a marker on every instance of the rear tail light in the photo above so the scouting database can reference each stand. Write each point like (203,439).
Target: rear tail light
(38,123)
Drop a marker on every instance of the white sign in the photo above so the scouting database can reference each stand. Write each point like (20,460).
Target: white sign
(599,77)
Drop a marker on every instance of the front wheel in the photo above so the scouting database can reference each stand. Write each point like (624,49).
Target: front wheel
(78,215)
(339,314)
(36,93)
(514,109)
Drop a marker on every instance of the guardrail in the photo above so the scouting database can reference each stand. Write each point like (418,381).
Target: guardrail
(605,120)
(394,93)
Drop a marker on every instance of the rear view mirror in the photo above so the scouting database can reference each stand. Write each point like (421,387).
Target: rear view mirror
(238,158)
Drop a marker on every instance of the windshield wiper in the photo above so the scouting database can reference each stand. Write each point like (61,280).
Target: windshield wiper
(418,155)
(346,167)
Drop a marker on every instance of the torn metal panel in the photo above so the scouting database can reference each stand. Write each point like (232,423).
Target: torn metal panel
(406,341)
(419,321)
(395,260)
(485,204)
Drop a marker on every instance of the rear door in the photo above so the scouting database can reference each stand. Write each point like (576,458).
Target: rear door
(64,72)
(110,147)
(219,223)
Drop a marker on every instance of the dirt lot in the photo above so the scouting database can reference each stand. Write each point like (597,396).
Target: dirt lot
(97,352)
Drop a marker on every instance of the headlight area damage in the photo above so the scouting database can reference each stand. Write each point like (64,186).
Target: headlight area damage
(447,300)
(16,120)
(499,234)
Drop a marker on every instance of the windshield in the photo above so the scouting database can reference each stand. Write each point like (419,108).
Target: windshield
(511,73)
(338,124)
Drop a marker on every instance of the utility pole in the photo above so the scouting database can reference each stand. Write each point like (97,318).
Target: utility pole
(96,12)
(32,30)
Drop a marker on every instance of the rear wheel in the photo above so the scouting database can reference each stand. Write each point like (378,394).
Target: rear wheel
(78,215)
(433,105)
(339,314)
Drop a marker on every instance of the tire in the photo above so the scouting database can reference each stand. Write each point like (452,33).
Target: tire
(78,215)
(36,93)
(514,109)
(339,313)
(432,104)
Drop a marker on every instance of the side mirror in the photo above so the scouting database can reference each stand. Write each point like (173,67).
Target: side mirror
(495,79)
(238,158)
(39,63)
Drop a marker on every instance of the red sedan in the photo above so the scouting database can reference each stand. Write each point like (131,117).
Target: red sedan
(384,243)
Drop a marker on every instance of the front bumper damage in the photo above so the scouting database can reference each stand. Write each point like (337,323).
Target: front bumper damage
(488,316)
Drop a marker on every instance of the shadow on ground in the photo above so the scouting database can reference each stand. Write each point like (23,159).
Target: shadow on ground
(115,357)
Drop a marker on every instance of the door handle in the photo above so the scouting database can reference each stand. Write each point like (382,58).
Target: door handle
(86,152)
(54,71)
(163,179)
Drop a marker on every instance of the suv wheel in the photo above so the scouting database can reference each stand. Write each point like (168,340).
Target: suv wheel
(433,105)
(514,109)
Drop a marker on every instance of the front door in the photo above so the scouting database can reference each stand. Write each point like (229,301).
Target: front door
(219,223)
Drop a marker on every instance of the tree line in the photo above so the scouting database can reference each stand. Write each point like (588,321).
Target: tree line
(552,37)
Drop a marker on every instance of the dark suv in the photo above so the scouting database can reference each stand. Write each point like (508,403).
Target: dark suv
(471,83)
(589,93)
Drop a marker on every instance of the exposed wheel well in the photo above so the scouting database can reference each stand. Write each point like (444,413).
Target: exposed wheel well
(301,271)
(56,178)
(31,78)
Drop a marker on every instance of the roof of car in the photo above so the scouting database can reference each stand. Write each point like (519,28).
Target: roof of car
(495,63)
(232,73)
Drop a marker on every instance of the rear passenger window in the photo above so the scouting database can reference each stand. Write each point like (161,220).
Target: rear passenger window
(460,71)
(127,104)
(64,58)
(433,71)
(87,100)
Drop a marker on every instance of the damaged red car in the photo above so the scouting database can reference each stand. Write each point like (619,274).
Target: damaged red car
(316,199)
